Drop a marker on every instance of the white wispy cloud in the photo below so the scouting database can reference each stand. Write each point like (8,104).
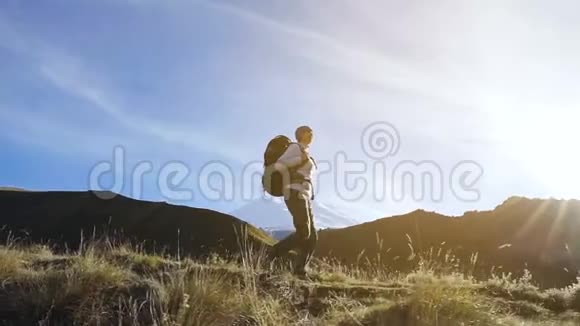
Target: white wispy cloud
(354,62)
(75,77)
(59,137)
(70,76)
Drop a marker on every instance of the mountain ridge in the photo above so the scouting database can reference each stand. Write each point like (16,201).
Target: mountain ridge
(60,217)
(521,233)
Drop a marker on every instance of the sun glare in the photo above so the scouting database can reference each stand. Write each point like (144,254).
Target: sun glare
(546,149)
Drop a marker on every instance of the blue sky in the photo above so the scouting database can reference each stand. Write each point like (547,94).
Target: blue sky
(202,81)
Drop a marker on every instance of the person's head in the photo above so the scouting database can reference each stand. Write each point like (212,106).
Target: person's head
(304,135)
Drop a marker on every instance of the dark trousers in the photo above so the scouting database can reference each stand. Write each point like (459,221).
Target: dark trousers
(305,237)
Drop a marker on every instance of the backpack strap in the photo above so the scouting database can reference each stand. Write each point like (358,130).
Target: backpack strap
(304,161)
(298,177)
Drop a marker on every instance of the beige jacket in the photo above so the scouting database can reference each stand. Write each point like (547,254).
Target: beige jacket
(292,157)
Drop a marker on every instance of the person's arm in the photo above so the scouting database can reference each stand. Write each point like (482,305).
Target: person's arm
(292,157)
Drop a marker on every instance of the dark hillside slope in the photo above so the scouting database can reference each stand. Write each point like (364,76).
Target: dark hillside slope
(540,235)
(59,217)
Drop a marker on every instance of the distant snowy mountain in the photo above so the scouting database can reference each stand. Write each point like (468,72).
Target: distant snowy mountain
(271,214)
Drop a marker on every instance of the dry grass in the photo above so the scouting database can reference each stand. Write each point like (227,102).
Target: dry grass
(105,284)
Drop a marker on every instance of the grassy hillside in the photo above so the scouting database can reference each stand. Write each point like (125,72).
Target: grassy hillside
(165,265)
(538,235)
(65,219)
(106,284)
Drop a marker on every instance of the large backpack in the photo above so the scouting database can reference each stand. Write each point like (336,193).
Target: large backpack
(273,181)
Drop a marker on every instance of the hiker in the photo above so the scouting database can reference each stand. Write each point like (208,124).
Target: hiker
(298,193)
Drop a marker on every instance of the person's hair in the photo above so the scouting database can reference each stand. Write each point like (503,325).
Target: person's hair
(301,130)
